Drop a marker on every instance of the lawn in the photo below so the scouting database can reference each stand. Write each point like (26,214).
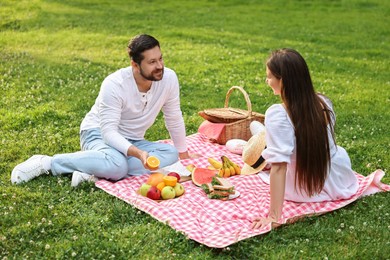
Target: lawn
(55,54)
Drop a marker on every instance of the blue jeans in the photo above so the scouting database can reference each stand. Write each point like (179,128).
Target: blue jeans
(103,161)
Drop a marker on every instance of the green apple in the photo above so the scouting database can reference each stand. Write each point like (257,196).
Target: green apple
(144,189)
(179,189)
(168,193)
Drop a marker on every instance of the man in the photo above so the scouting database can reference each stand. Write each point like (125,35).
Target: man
(112,133)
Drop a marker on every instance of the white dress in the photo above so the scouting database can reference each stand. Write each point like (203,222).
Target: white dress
(341,182)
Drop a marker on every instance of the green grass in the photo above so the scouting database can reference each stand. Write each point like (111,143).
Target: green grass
(55,54)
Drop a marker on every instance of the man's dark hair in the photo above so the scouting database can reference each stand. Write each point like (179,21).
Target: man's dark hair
(139,44)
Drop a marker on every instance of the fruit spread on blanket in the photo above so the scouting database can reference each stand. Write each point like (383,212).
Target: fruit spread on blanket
(202,175)
(162,187)
(218,188)
(224,168)
(213,179)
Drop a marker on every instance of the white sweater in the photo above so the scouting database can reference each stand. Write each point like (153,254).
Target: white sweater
(122,112)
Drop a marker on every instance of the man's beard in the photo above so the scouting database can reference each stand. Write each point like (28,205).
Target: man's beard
(151,76)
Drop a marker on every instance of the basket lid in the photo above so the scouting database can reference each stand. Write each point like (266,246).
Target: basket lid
(227,113)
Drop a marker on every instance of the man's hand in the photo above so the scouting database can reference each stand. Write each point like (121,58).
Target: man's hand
(140,154)
(187,155)
(143,156)
(184,155)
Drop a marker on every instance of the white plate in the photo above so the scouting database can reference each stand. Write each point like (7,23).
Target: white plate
(176,167)
(235,195)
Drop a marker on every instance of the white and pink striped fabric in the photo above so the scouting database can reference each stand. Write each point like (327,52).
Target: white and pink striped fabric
(216,223)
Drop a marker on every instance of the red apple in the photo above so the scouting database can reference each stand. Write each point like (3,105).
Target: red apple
(153,193)
(174,174)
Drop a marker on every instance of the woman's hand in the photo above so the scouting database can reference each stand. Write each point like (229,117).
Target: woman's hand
(277,187)
(263,222)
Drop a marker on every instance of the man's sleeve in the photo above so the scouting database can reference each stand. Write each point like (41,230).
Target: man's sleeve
(110,113)
(173,115)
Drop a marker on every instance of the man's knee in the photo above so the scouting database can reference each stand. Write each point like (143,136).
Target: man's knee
(172,151)
(115,168)
(168,155)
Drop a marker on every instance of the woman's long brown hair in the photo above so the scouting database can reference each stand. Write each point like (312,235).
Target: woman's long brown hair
(310,116)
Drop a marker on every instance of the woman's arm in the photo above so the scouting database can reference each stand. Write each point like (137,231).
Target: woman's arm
(277,189)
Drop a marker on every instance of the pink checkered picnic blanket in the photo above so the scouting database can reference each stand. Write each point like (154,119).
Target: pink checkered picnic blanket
(216,223)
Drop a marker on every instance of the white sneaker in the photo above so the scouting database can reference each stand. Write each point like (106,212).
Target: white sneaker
(28,170)
(79,177)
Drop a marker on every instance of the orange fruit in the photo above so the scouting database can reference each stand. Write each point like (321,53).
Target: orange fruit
(155,178)
(152,162)
(170,181)
(161,185)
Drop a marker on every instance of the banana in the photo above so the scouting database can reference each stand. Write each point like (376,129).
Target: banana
(226,168)
(221,173)
(216,164)
(229,164)
(227,173)
(237,168)
(232,170)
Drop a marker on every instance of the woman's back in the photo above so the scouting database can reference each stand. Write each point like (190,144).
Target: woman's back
(340,183)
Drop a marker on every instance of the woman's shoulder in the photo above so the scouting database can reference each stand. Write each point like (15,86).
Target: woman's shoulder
(276,110)
(276,116)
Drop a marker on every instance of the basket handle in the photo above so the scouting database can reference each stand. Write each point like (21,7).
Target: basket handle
(246,96)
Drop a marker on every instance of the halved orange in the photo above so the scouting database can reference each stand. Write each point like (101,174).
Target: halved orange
(170,181)
(153,163)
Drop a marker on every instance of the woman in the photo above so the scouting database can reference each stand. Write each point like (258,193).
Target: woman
(307,165)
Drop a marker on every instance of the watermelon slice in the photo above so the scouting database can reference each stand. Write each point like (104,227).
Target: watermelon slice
(202,175)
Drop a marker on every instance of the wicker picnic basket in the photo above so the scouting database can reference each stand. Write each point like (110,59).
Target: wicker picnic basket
(236,120)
